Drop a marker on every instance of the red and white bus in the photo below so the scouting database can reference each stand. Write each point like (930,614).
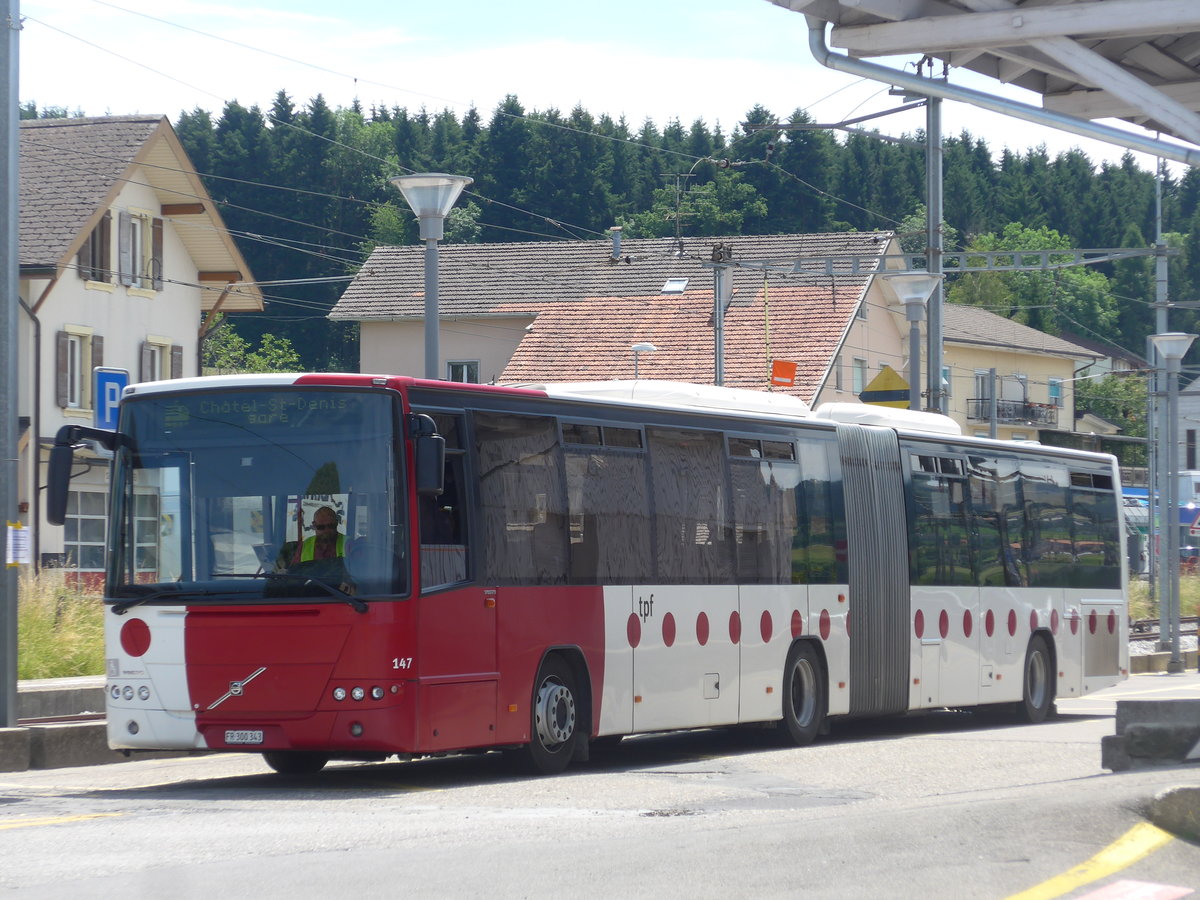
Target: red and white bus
(539,569)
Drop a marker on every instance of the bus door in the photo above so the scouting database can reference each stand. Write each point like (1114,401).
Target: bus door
(945,575)
(877,546)
(686,628)
(456,644)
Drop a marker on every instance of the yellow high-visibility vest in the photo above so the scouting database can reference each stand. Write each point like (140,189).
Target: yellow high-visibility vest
(309,548)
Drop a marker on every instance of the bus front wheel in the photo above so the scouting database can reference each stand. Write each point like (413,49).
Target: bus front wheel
(803,695)
(295,762)
(555,720)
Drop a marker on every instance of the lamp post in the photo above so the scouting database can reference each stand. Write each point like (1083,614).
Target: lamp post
(1171,347)
(431,198)
(638,350)
(913,289)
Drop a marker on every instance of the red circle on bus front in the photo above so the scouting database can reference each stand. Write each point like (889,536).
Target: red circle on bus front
(1012,622)
(824,624)
(135,637)
(989,623)
(633,629)
(702,629)
(944,623)
(766,626)
(1033,620)
(735,627)
(1074,617)
(1054,621)
(1112,622)
(668,629)
(797,623)
(968,624)
(1092,622)
(919,624)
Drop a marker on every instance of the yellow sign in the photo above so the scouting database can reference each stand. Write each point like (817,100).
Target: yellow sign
(888,388)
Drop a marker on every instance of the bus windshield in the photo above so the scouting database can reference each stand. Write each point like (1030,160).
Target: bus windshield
(260,493)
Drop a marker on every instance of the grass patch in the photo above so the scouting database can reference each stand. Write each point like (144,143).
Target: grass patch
(60,629)
(1142,607)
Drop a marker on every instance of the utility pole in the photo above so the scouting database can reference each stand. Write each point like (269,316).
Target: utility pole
(9,294)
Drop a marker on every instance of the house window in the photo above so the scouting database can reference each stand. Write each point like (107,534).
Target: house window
(983,384)
(95,256)
(837,375)
(160,359)
(861,312)
(84,530)
(1056,396)
(946,381)
(859,378)
(77,352)
(140,248)
(463,370)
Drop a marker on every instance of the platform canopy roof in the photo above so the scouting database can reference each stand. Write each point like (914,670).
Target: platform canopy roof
(1133,60)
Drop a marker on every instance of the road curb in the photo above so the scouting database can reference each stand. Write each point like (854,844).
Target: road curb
(1177,810)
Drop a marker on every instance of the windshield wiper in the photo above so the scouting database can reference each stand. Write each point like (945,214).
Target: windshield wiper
(307,580)
(124,606)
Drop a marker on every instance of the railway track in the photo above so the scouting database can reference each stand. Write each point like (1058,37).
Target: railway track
(1147,629)
(61,720)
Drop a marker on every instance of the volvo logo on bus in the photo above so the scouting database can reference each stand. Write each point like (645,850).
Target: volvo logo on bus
(237,688)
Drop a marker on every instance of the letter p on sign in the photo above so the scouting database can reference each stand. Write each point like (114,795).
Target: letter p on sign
(109,385)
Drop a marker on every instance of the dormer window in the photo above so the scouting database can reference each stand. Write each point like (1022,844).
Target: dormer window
(674,286)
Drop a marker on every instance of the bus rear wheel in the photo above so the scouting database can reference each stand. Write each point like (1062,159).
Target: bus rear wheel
(803,695)
(1037,693)
(555,720)
(295,762)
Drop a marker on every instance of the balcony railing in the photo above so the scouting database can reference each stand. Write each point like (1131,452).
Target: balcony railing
(1013,412)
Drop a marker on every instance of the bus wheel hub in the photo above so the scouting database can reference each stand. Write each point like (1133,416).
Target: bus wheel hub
(555,714)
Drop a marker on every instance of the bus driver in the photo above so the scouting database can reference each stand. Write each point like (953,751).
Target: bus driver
(322,555)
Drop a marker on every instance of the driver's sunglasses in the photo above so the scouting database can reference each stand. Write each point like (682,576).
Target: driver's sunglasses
(325,527)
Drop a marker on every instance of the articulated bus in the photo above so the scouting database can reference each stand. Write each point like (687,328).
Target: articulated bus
(540,569)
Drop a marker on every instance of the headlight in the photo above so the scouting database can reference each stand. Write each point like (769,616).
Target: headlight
(143,692)
(339,693)
(127,692)
(376,693)
(358,693)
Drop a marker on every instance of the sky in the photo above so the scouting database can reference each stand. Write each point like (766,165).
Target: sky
(658,59)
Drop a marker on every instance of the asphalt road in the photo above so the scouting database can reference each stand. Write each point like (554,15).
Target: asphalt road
(943,805)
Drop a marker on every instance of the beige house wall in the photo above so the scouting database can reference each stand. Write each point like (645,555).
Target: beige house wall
(398,348)
(963,361)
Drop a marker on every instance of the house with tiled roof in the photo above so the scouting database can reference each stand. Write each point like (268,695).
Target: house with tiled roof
(124,259)
(574,310)
(1030,374)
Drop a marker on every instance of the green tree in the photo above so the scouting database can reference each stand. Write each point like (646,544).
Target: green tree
(1120,399)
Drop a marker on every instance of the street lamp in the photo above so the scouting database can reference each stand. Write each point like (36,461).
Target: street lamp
(431,197)
(913,289)
(1171,347)
(638,350)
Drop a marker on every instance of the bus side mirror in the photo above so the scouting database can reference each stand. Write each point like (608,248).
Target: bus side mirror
(430,456)
(62,458)
(58,482)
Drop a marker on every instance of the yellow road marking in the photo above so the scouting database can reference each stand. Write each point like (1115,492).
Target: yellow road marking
(58,820)
(1137,843)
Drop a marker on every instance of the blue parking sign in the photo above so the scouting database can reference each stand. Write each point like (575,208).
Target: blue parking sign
(109,384)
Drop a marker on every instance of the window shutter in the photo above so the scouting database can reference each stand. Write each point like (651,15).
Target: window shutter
(102,271)
(176,360)
(84,260)
(125,248)
(97,354)
(156,254)
(144,373)
(60,376)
